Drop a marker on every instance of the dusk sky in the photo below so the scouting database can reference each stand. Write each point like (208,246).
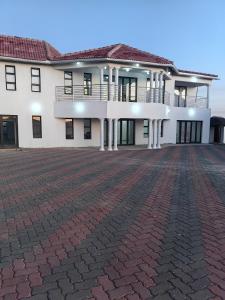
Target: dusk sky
(189,32)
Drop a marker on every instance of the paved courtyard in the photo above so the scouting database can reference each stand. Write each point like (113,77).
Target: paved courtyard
(115,225)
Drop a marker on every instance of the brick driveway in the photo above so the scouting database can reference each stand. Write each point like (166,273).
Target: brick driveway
(127,225)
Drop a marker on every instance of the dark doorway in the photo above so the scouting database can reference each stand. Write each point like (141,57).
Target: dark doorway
(127,89)
(8,132)
(217,134)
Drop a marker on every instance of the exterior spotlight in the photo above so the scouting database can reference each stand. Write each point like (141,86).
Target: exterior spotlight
(78,63)
(79,107)
(135,108)
(36,108)
(191,112)
(127,69)
(137,65)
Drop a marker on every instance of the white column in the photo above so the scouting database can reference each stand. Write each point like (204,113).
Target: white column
(110,83)
(150,134)
(151,87)
(102,135)
(161,87)
(208,95)
(101,83)
(116,84)
(155,135)
(110,134)
(156,87)
(158,133)
(115,134)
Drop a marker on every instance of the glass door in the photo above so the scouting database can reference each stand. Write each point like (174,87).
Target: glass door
(127,89)
(189,132)
(126,132)
(8,131)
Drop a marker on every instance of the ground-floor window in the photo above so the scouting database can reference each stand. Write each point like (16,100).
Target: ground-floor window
(146,128)
(69,129)
(189,132)
(162,129)
(37,127)
(87,129)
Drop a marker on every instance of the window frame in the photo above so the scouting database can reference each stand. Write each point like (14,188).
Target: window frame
(89,127)
(68,86)
(36,76)
(87,88)
(9,73)
(71,137)
(39,136)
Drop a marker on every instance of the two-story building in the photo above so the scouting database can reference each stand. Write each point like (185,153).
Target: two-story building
(105,97)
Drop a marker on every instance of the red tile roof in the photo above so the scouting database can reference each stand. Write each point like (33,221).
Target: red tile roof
(29,49)
(32,49)
(117,51)
(197,73)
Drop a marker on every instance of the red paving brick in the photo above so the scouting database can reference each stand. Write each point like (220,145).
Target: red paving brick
(129,225)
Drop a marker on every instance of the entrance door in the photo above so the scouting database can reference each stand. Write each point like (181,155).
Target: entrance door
(189,132)
(127,89)
(8,131)
(126,132)
(217,134)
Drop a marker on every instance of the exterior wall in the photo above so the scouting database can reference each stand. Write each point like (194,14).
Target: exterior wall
(25,103)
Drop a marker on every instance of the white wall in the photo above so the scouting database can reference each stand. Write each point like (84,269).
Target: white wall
(25,103)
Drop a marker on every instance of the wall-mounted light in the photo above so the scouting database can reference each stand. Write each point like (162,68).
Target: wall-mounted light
(147,72)
(36,108)
(78,63)
(137,65)
(105,68)
(135,108)
(127,69)
(191,112)
(169,73)
(79,107)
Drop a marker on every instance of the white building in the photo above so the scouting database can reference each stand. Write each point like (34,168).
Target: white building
(105,97)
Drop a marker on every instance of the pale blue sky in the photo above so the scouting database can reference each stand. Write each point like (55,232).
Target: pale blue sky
(190,32)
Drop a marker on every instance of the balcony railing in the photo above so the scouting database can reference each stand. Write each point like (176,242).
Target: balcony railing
(104,92)
(191,101)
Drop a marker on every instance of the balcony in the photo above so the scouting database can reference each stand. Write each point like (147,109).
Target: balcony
(105,92)
(191,101)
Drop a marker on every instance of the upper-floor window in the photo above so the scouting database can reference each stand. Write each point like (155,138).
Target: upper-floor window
(69,129)
(10,77)
(37,127)
(146,128)
(68,83)
(35,79)
(87,129)
(180,96)
(87,84)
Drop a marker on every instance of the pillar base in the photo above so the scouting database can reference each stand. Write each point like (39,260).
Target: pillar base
(101,149)
(115,149)
(110,149)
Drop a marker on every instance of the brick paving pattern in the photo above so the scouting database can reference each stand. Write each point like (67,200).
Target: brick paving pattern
(129,225)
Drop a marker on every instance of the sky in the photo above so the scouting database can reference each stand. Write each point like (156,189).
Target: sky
(189,32)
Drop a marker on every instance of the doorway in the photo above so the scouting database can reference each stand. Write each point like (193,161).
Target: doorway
(126,132)
(8,131)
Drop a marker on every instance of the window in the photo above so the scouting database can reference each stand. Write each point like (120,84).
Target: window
(36,124)
(35,80)
(87,129)
(87,84)
(146,128)
(10,78)
(68,83)
(69,129)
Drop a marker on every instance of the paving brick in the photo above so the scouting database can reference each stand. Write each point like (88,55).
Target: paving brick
(84,225)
